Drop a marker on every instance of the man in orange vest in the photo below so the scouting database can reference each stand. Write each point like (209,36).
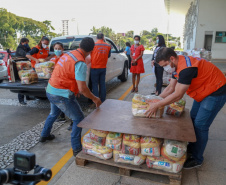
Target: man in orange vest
(99,58)
(203,82)
(67,80)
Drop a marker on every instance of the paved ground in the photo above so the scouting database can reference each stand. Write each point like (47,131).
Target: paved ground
(25,123)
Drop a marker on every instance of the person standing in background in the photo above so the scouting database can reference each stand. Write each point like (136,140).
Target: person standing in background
(137,67)
(158,69)
(99,59)
(127,52)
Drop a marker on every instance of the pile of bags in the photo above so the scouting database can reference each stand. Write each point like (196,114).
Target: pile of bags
(176,108)
(44,70)
(140,104)
(166,155)
(23,65)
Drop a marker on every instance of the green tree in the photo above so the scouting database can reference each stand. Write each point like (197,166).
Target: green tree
(154,32)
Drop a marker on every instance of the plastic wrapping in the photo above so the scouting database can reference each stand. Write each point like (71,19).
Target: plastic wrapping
(94,148)
(166,77)
(23,65)
(140,104)
(28,76)
(131,144)
(98,136)
(176,108)
(114,140)
(164,164)
(173,150)
(119,157)
(44,70)
(150,146)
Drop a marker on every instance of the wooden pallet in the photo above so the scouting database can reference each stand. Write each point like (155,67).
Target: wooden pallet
(132,171)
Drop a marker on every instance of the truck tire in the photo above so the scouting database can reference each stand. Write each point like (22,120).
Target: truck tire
(124,76)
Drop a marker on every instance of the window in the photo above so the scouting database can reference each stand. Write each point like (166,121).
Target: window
(69,44)
(220,37)
(2,55)
(113,47)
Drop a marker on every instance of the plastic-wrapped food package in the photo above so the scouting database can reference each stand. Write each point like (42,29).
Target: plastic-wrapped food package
(131,144)
(98,136)
(140,104)
(173,150)
(44,70)
(150,146)
(164,164)
(176,108)
(28,76)
(119,157)
(23,65)
(94,148)
(114,140)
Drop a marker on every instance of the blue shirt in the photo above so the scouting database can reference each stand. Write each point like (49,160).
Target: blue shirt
(80,74)
(127,50)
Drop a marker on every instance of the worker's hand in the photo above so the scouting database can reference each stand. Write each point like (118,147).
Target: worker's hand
(37,61)
(152,110)
(152,63)
(97,101)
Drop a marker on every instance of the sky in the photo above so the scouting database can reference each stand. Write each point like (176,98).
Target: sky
(120,15)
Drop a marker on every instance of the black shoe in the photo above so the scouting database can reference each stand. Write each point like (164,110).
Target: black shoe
(75,152)
(50,137)
(191,163)
(70,127)
(61,120)
(23,103)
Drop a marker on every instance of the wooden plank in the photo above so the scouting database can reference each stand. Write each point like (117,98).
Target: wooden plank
(116,116)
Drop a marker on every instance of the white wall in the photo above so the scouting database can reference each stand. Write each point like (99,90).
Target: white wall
(211,17)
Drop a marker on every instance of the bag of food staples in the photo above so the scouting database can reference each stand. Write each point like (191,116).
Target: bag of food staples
(176,108)
(131,144)
(150,146)
(98,136)
(173,150)
(95,149)
(23,65)
(161,163)
(28,76)
(44,70)
(119,157)
(140,105)
(114,140)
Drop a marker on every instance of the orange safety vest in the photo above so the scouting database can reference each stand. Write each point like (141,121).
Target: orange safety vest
(55,59)
(63,76)
(208,80)
(42,53)
(99,55)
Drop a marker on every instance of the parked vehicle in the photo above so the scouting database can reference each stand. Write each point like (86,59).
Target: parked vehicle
(117,66)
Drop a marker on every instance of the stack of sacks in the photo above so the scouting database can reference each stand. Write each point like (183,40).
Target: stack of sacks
(114,140)
(98,136)
(96,149)
(131,144)
(150,146)
(164,164)
(23,65)
(44,70)
(140,105)
(120,157)
(176,108)
(28,76)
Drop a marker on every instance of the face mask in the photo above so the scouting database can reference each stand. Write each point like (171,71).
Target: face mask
(136,42)
(157,41)
(44,45)
(58,52)
(169,69)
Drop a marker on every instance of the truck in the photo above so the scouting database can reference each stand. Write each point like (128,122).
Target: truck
(117,66)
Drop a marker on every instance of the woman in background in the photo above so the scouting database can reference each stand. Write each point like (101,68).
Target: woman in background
(127,52)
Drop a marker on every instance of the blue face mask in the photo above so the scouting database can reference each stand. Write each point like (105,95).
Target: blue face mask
(58,52)
(26,45)
(157,41)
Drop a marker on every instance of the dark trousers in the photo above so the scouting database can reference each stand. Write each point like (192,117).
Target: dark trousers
(129,61)
(159,74)
(21,97)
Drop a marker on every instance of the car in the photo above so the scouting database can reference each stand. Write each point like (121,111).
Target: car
(117,66)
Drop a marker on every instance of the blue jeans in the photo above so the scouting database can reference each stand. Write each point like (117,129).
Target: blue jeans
(202,114)
(98,78)
(71,108)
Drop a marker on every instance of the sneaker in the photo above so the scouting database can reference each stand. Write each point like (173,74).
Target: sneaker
(23,103)
(61,120)
(50,137)
(191,163)
(70,127)
(75,152)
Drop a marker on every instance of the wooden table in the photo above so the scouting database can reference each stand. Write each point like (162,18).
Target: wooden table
(116,116)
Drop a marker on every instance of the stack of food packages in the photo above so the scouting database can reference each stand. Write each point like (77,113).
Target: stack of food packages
(140,104)
(166,77)
(176,108)
(201,53)
(45,69)
(167,155)
(26,73)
